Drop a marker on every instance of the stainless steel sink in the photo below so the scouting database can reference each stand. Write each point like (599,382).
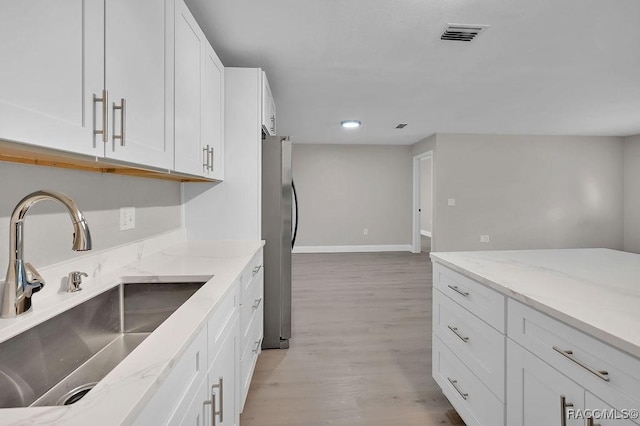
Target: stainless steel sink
(58,361)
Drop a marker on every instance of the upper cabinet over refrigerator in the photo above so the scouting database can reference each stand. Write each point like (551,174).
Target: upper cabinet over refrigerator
(268,108)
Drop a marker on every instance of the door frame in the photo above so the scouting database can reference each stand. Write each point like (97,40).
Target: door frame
(416,245)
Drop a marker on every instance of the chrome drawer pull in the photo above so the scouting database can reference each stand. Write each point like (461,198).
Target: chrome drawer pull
(220,386)
(257,348)
(563,410)
(457,333)
(256,270)
(257,304)
(205,158)
(454,383)
(457,290)
(604,375)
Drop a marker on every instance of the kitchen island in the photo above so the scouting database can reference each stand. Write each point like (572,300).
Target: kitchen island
(126,393)
(558,328)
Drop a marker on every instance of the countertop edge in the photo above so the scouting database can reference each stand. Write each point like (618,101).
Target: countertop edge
(583,326)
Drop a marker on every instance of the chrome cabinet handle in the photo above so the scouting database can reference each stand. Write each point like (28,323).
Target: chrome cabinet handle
(123,114)
(604,375)
(205,158)
(257,304)
(212,402)
(273,123)
(454,383)
(256,270)
(563,409)
(457,333)
(255,350)
(590,422)
(457,290)
(105,115)
(220,413)
(211,155)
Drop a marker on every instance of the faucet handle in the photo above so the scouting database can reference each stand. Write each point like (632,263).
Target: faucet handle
(75,279)
(35,280)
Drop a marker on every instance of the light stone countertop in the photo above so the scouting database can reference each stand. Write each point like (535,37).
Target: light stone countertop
(123,393)
(594,290)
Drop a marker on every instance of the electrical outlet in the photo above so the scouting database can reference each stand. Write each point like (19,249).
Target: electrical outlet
(451,202)
(484,238)
(127,218)
(365,231)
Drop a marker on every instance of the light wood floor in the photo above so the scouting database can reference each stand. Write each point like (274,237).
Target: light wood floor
(361,347)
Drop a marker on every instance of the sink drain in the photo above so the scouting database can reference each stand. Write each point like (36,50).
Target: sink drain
(76,395)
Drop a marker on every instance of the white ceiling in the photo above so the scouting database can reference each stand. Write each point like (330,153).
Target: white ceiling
(543,66)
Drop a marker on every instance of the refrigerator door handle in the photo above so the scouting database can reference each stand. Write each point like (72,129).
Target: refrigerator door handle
(295,202)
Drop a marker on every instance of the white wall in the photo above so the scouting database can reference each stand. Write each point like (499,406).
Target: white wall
(425,194)
(632,194)
(48,229)
(528,192)
(343,189)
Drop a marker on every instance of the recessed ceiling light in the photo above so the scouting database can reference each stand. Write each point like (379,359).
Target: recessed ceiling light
(350,124)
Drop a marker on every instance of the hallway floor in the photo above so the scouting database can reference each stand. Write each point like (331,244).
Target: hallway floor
(361,347)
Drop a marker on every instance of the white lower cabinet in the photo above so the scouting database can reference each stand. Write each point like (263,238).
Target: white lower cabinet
(555,374)
(202,389)
(537,393)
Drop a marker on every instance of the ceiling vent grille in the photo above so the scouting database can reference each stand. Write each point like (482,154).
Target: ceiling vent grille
(462,32)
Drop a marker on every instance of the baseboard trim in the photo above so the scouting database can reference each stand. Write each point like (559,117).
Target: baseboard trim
(425,233)
(351,249)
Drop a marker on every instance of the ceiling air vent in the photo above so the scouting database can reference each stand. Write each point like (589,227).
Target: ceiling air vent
(401,126)
(462,32)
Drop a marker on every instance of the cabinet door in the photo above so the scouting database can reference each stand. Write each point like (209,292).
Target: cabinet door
(189,39)
(136,62)
(535,391)
(223,379)
(604,414)
(196,414)
(212,109)
(52,65)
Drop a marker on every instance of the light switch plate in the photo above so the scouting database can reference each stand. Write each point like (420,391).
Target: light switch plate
(127,218)
(451,201)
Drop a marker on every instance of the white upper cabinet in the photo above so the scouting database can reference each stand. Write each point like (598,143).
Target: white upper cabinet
(199,97)
(268,108)
(135,77)
(213,111)
(52,65)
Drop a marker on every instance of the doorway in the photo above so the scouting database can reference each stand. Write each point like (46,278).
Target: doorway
(422,200)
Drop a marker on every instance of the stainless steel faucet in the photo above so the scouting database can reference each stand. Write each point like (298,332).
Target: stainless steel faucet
(22,278)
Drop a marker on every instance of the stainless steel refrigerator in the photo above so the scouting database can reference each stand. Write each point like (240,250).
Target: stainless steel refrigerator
(279,207)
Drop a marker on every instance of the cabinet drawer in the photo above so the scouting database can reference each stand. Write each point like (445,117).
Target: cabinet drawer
(253,300)
(249,354)
(253,267)
(471,399)
(478,345)
(485,303)
(223,315)
(181,385)
(540,334)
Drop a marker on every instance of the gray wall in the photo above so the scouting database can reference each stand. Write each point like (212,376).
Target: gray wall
(343,189)
(632,194)
(528,192)
(48,230)
(425,194)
